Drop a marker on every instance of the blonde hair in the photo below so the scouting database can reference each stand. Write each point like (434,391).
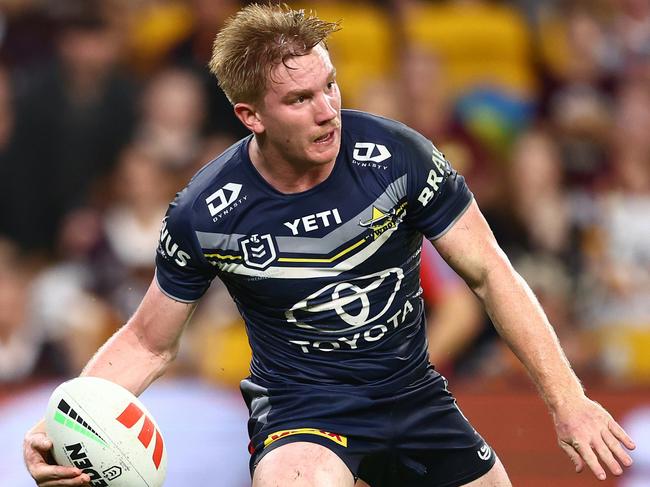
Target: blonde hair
(256,40)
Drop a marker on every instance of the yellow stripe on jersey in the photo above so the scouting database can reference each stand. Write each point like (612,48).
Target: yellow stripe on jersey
(223,257)
(331,259)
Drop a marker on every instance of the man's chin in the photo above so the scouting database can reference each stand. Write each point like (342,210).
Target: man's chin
(328,150)
(325,156)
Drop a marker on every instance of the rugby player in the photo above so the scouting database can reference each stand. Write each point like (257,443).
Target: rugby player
(314,222)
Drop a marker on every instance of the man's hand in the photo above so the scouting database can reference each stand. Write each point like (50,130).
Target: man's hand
(589,435)
(36,452)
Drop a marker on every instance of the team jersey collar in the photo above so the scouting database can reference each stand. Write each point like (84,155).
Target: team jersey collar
(264,184)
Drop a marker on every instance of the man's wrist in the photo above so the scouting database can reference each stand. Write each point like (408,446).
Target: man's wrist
(560,397)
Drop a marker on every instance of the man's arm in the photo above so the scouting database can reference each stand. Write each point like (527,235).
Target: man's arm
(140,351)
(586,432)
(136,355)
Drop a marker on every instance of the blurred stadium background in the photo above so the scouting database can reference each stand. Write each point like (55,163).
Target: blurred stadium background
(107,108)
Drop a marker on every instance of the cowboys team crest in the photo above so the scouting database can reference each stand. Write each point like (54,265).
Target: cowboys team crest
(259,251)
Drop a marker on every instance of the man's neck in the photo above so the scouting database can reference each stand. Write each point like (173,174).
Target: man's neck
(283,175)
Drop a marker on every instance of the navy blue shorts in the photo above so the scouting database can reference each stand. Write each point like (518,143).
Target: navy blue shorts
(416,437)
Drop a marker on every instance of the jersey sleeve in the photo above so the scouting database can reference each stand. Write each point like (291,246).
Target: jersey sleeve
(437,194)
(182,273)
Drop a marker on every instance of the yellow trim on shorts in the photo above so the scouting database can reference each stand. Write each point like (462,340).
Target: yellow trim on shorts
(336,438)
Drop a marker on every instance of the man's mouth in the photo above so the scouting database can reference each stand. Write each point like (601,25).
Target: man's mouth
(329,135)
(325,138)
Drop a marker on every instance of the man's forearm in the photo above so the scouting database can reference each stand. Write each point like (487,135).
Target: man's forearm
(124,360)
(521,322)
(140,351)
(586,431)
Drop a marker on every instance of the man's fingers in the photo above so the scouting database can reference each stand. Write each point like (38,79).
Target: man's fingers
(621,435)
(587,429)
(615,447)
(34,460)
(605,454)
(57,472)
(44,473)
(574,456)
(40,442)
(38,459)
(589,457)
(81,480)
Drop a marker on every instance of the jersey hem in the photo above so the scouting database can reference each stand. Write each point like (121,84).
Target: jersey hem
(171,296)
(453,222)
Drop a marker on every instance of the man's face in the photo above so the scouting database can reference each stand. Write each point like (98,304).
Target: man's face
(301,110)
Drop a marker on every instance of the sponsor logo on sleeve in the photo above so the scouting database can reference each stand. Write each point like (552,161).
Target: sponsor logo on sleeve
(169,249)
(435,177)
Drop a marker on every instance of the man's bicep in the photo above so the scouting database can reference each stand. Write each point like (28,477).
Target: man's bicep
(469,247)
(159,320)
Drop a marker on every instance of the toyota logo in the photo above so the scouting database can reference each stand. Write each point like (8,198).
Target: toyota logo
(343,306)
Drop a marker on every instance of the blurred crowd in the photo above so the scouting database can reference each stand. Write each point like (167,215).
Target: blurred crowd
(107,108)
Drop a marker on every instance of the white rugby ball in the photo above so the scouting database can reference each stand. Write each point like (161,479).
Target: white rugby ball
(104,430)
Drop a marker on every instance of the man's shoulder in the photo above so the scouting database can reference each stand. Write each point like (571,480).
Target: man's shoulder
(373,134)
(225,163)
(215,173)
(363,124)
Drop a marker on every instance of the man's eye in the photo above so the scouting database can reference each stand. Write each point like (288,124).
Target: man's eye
(330,85)
(300,99)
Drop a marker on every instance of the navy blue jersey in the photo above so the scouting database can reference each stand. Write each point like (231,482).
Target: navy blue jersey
(327,280)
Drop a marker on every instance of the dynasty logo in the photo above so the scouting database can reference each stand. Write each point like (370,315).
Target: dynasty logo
(224,200)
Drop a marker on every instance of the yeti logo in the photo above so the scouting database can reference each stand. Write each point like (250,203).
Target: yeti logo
(259,251)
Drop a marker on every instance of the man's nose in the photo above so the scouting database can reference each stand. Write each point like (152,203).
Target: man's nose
(325,109)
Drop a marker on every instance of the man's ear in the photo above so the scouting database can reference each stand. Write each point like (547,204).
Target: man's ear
(249,116)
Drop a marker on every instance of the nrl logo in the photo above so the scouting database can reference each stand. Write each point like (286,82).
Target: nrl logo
(259,251)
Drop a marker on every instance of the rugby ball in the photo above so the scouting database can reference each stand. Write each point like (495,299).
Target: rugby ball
(104,430)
